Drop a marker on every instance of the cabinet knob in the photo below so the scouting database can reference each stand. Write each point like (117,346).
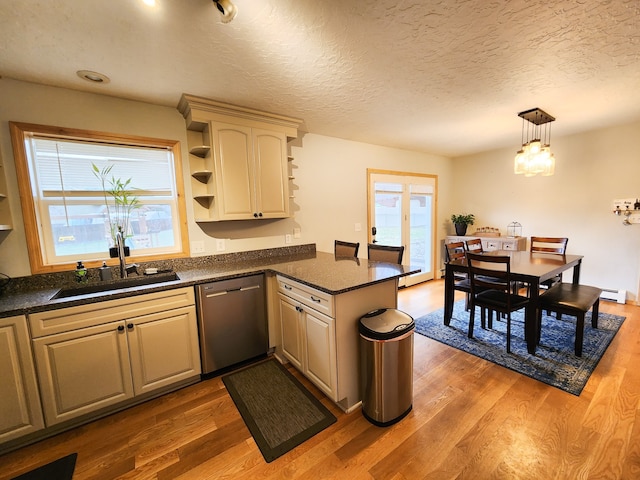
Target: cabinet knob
(260,214)
(130,326)
(255,215)
(121,328)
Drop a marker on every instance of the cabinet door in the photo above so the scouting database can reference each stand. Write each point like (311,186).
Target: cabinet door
(233,150)
(164,348)
(290,325)
(320,351)
(271,174)
(20,411)
(83,370)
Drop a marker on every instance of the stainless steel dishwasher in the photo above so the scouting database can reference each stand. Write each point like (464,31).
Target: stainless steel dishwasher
(232,321)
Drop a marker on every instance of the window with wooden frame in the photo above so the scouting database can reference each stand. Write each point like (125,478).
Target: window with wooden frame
(72,184)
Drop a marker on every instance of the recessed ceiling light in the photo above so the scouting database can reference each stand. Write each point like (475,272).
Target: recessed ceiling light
(94,77)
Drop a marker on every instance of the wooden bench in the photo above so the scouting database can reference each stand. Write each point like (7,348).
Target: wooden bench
(575,300)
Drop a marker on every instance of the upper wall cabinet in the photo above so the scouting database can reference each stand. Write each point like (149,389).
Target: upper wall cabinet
(5,212)
(238,160)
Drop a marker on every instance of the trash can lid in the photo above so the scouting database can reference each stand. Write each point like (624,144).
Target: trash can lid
(385,323)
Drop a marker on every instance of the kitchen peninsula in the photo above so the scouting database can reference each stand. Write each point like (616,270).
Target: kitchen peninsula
(314,301)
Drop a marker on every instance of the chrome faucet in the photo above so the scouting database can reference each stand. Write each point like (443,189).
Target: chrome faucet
(125,269)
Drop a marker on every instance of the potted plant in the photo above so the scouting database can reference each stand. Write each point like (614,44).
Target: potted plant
(123,204)
(461,222)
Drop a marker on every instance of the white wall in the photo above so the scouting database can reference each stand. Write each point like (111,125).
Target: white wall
(330,183)
(331,186)
(592,169)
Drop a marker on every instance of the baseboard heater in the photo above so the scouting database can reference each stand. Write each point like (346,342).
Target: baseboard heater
(614,295)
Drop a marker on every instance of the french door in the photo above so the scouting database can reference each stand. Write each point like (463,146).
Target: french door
(402,211)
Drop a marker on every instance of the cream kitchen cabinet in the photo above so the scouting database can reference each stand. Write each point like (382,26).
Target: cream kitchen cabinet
(309,342)
(98,356)
(319,333)
(20,411)
(5,212)
(252,172)
(238,160)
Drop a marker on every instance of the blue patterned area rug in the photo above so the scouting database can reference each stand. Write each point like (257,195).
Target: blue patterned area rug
(554,362)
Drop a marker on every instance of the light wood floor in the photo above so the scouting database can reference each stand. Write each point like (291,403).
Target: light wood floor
(470,419)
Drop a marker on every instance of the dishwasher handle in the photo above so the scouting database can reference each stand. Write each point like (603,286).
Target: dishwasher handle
(231,290)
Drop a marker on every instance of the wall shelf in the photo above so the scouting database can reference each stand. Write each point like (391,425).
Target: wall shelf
(202,175)
(200,150)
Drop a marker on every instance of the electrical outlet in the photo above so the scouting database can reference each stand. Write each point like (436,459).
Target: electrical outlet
(287,238)
(197,247)
(296,233)
(220,245)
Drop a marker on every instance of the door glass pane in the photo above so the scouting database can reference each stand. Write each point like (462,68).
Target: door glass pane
(388,214)
(420,239)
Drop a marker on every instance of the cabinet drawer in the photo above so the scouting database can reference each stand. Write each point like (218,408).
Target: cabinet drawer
(320,301)
(81,316)
(509,245)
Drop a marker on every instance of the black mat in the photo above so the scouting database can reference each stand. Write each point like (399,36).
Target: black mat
(279,412)
(61,469)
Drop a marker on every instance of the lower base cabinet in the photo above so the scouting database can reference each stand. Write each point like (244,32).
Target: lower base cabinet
(308,341)
(20,411)
(318,333)
(102,354)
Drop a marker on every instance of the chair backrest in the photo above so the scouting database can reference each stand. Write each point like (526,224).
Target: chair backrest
(475,245)
(555,245)
(385,253)
(345,249)
(455,251)
(491,272)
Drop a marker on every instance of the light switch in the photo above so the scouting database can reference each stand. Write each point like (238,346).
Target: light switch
(220,245)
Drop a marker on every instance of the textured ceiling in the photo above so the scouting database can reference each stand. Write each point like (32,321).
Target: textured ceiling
(445,77)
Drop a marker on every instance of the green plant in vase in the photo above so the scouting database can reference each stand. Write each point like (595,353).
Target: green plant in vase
(122,206)
(462,221)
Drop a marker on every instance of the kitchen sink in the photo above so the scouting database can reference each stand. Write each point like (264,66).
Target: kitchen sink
(116,285)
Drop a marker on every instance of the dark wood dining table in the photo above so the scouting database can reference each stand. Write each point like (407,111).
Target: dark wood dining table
(527,267)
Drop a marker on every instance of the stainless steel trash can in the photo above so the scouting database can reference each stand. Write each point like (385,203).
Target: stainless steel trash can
(386,365)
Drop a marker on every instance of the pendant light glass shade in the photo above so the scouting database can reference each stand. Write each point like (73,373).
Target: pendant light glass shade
(535,157)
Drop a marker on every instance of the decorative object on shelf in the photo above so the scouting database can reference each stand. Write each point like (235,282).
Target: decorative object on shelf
(461,222)
(487,232)
(228,10)
(514,229)
(629,208)
(535,155)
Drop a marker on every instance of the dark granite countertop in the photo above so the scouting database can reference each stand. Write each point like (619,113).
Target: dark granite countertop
(319,270)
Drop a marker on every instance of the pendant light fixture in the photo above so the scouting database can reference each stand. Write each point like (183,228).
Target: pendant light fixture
(228,10)
(535,155)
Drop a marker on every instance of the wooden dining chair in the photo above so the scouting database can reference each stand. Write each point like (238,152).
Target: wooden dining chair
(457,251)
(345,249)
(489,294)
(385,253)
(475,245)
(552,245)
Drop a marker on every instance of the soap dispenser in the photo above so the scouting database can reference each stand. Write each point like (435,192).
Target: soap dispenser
(81,273)
(105,272)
